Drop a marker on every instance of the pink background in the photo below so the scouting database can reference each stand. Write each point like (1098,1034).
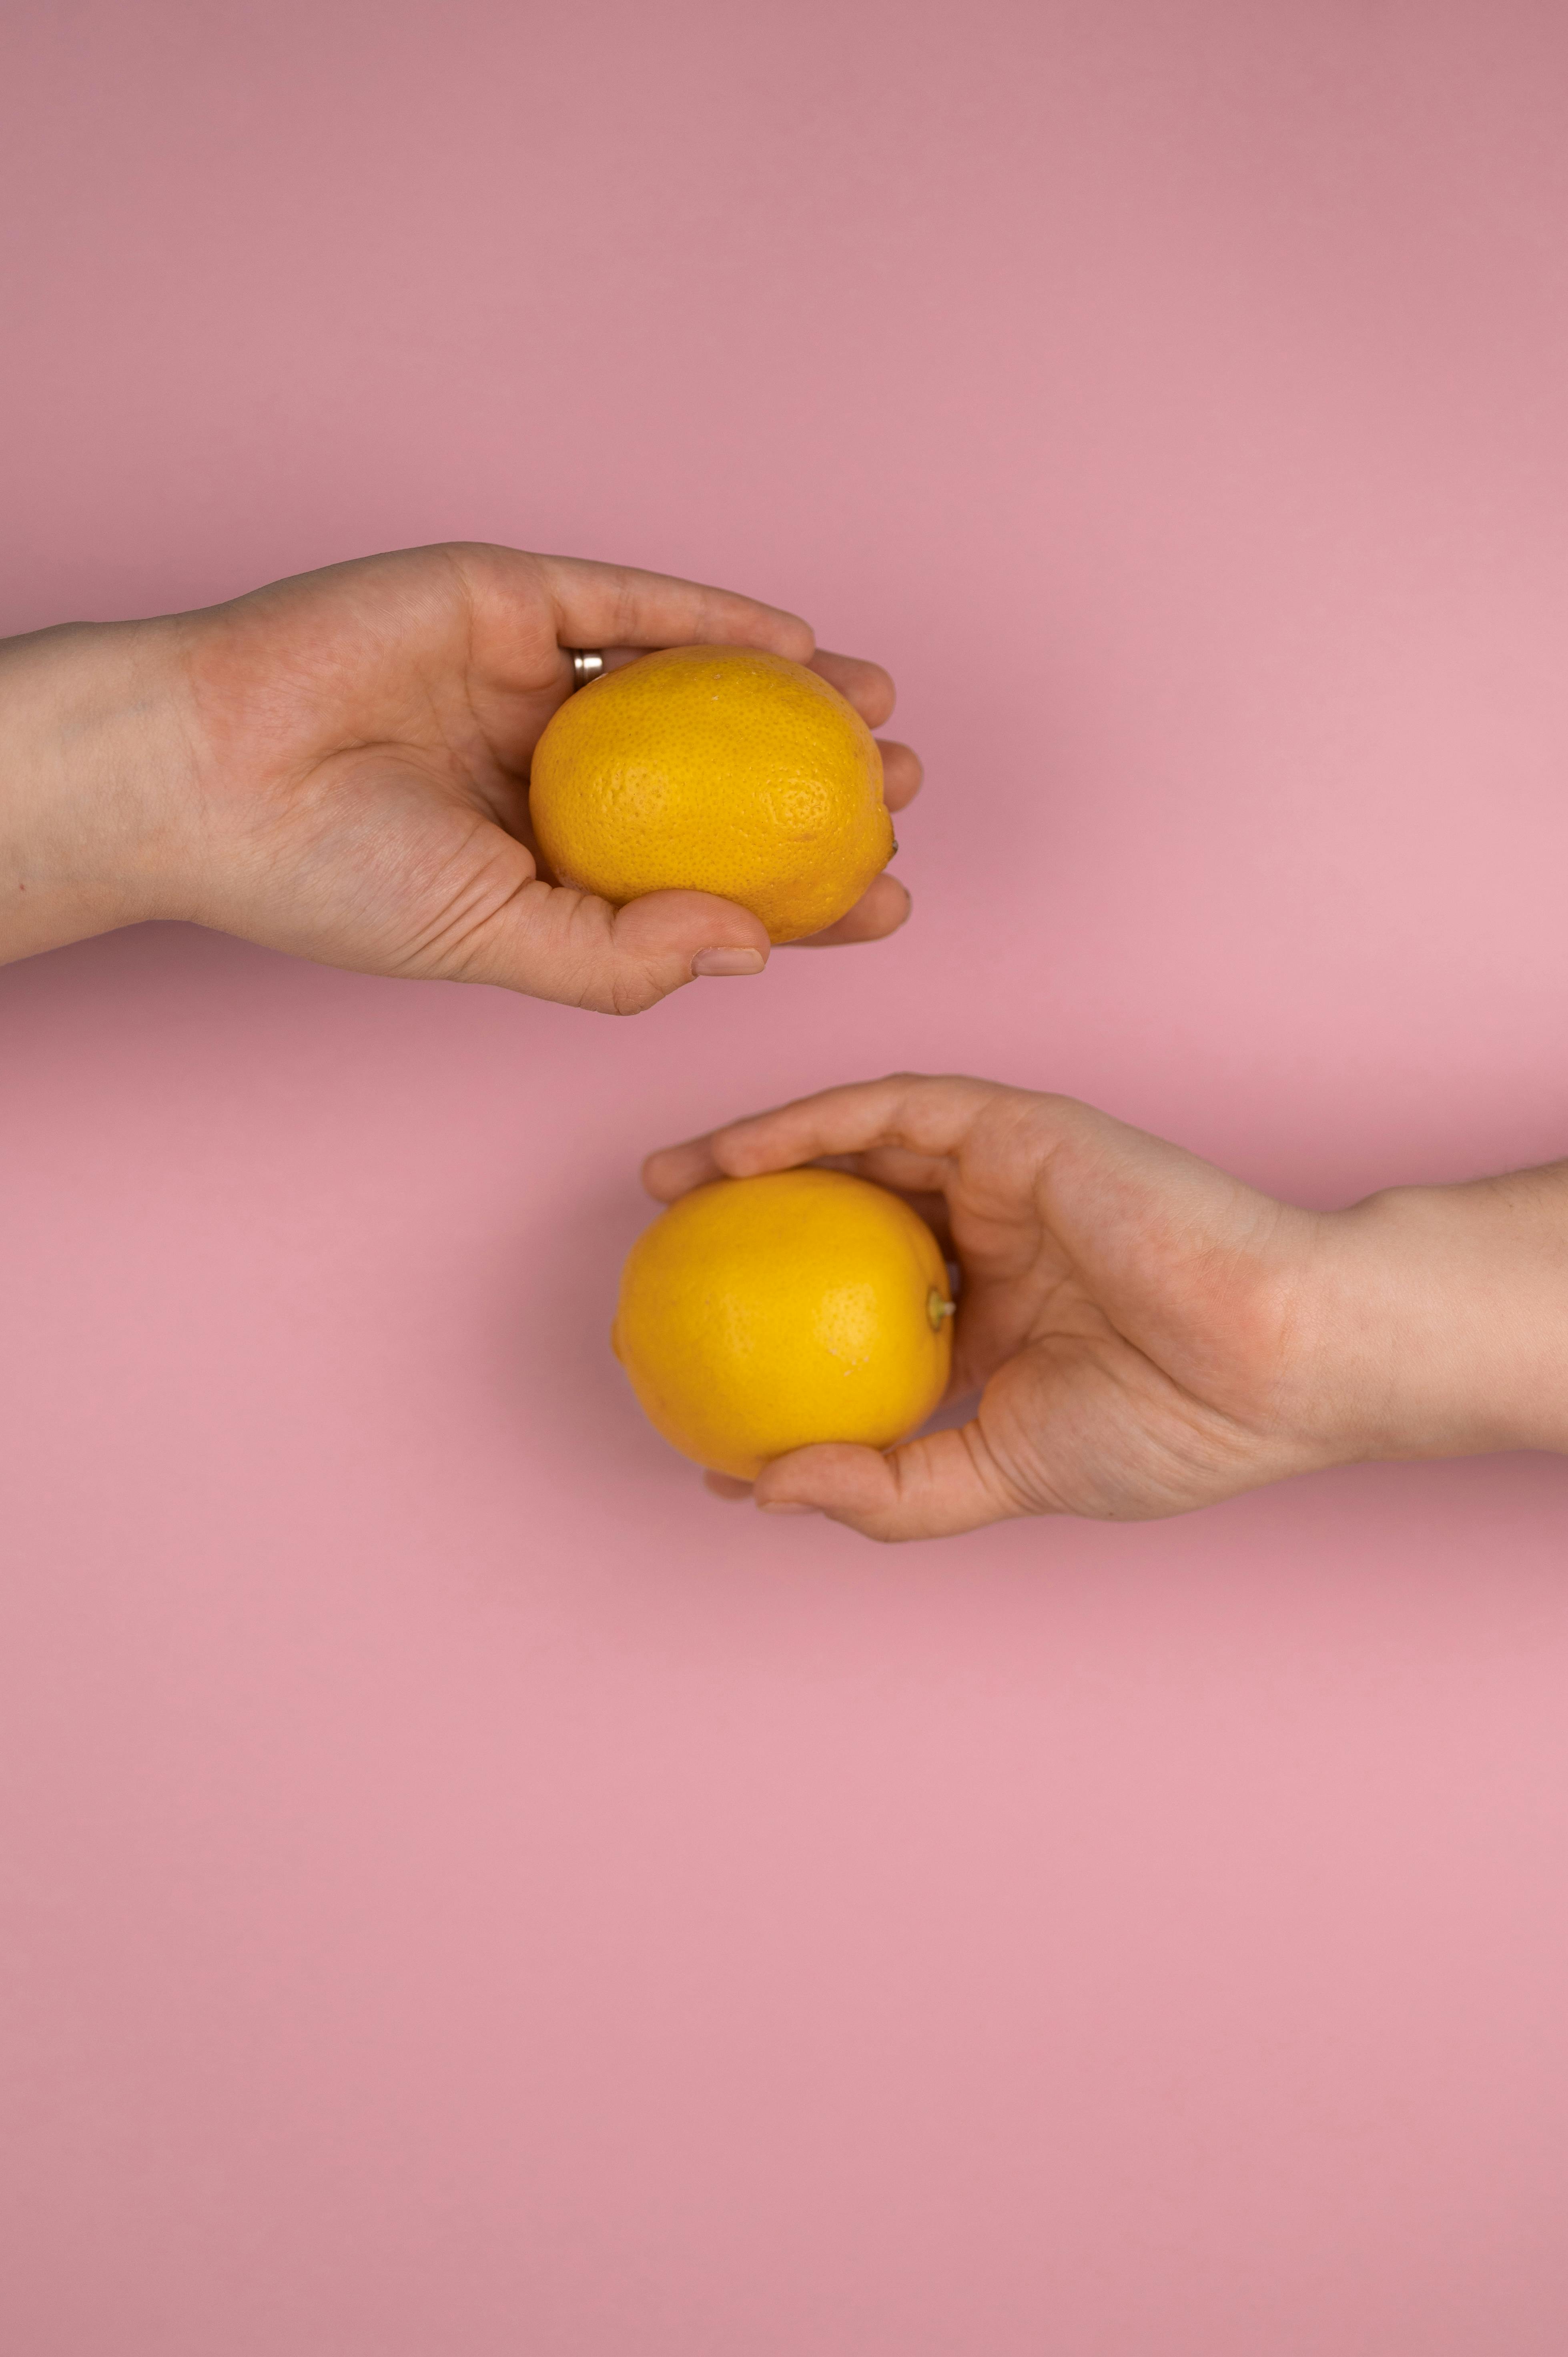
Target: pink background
(465,1891)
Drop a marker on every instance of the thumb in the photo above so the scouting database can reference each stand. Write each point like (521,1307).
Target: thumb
(553,942)
(929,1488)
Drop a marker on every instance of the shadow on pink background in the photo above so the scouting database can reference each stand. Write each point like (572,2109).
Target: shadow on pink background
(465,1891)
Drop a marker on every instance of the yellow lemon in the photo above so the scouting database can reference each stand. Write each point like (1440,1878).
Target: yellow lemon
(714,769)
(757,1315)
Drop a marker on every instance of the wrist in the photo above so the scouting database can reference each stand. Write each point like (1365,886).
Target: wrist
(90,748)
(1442,1324)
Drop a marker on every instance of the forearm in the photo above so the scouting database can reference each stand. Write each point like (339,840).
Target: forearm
(1448,1322)
(88,739)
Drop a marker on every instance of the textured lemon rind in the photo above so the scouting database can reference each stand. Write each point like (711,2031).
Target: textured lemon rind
(714,769)
(761,1315)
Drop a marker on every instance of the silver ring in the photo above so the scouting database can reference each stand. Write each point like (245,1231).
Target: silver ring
(586,666)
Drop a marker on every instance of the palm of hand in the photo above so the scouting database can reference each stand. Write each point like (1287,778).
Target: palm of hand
(1119,1311)
(1126,1364)
(361,739)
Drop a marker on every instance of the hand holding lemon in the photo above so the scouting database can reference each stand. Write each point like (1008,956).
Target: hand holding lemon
(337,766)
(1145,1334)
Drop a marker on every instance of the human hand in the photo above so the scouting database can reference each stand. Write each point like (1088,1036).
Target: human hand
(337,766)
(1148,1335)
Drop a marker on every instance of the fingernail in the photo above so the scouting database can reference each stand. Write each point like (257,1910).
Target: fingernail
(788,1506)
(728,962)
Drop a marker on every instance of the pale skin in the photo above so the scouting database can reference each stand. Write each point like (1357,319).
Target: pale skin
(337,765)
(1147,1335)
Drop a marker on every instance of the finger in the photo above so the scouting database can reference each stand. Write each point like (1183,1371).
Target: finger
(902,771)
(726,1486)
(895,1167)
(673,1170)
(864,684)
(929,1488)
(552,942)
(881,909)
(920,1179)
(927,1115)
(620,606)
(857,1120)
